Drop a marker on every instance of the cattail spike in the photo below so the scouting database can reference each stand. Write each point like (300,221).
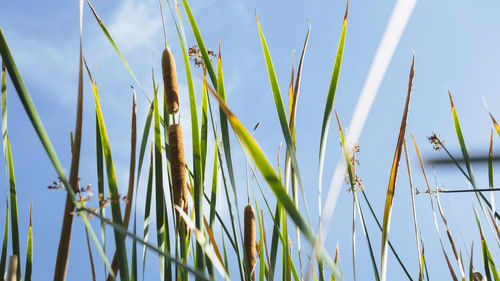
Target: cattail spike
(250,239)
(178,166)
(170,81)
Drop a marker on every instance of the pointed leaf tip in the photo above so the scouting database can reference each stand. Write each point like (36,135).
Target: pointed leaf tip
(31,205)
(451,100)
(220,53)
(346,10)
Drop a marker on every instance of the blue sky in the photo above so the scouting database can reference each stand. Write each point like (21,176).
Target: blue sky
(456,45)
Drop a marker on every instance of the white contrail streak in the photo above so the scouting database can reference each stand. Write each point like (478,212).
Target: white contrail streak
(393,32)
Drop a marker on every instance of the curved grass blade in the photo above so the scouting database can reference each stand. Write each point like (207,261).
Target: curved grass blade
(350,172)
(35,120)
(113,189)
(392,180)
(282,115)
(115,47)
(274,183)
(29,251)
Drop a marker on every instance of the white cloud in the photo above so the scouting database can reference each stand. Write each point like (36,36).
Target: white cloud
(135,24)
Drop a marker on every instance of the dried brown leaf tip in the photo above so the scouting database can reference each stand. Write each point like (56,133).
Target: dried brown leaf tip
(437,143)
(249,239)
(195,56)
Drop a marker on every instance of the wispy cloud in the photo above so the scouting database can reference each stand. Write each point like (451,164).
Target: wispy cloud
(136,24)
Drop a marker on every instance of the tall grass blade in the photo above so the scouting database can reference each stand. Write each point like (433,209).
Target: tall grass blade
(392,180)
(213,196)
(147,210)
(274,183)
(282,115)
(262,261)
(100,183)
(3,105)
(293,111)
(161,222)
(35,120)
(204,126)
(227,153)
(489,265)
(490,173)
(29,251)
(144,142)
(68,215)
(328,109)
(195,139)
(133,270)
(13,208)
(113,189)
(130,190)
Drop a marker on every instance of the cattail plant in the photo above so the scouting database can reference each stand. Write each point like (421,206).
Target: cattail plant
(170,81)
(250,239)
(178,168)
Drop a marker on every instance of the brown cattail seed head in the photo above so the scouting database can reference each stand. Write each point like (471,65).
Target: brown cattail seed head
(170,81)
(250,239)
(178,166)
